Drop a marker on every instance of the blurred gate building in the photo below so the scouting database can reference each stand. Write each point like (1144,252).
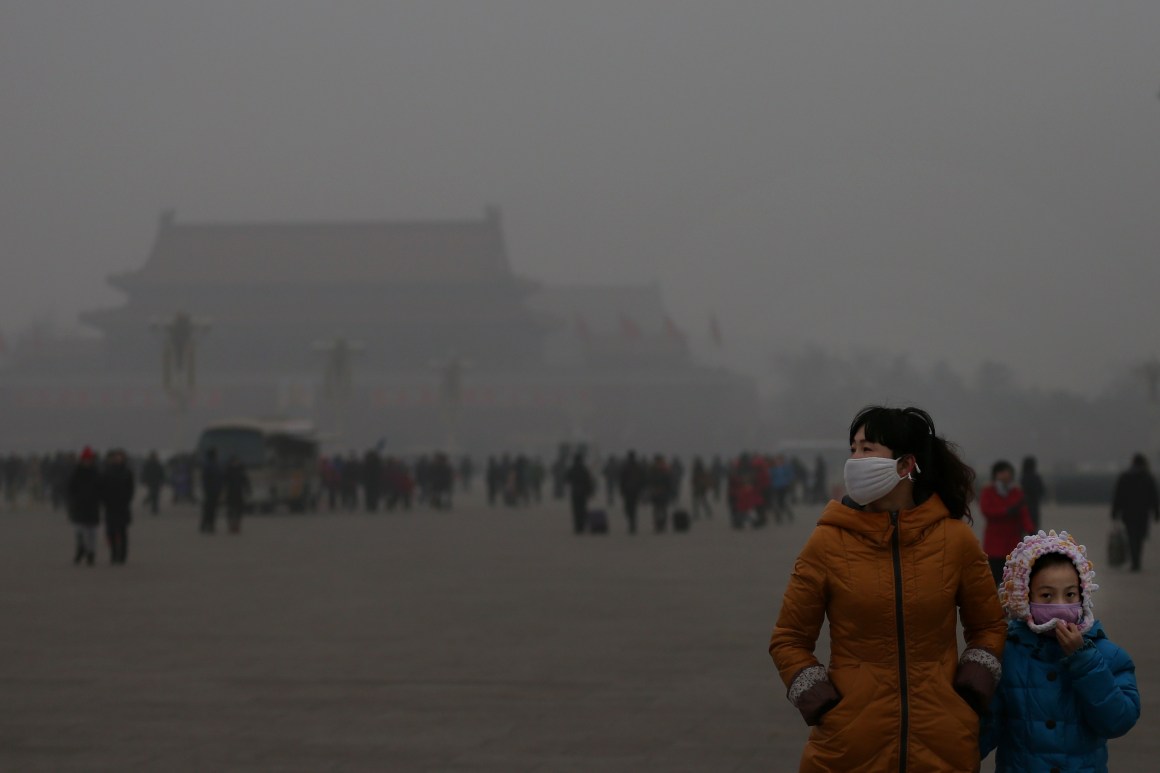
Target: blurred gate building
(417,334)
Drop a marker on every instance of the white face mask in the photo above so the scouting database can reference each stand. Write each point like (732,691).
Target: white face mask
(870,478)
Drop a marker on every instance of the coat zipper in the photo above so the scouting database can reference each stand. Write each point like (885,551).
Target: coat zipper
(896,551)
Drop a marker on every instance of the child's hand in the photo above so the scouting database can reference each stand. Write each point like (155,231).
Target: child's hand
(1069,637)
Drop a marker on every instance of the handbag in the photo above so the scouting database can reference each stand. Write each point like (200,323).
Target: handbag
(1117,545)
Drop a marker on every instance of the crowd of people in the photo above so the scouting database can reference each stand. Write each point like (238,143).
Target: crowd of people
(95,490)
(755,488)
(99,494)
(392,481)
(44,478)
(893,566)
(515,480)
(907,501)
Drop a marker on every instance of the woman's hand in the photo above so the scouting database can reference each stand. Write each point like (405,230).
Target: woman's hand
(1069,637)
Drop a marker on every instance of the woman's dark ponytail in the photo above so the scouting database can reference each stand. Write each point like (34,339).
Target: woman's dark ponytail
(941,470)
(952,479)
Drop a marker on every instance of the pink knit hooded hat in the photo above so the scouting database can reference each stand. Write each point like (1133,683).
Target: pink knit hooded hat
(1016,587)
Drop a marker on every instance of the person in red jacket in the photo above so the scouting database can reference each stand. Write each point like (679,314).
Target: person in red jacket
(1008,519)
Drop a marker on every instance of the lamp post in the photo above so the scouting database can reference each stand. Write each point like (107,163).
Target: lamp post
(338,377)
(450,372)
(179,362)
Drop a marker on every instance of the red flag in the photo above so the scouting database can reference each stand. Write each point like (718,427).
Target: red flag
(715,331)
(628,328)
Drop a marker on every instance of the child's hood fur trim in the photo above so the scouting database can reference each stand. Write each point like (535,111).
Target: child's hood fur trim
(1016,586)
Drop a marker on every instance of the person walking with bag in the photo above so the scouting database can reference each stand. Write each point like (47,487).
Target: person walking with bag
(632,485)
(1134,501)
(581,487)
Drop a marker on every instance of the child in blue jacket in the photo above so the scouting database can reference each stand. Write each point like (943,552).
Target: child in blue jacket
(1066,688)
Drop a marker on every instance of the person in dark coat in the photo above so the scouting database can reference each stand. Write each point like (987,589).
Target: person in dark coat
(660,489)
(581,486)
(153,476)
(632,485)
(211,491)
(117,488)
(1033,489)
(84,505)
(236,484)
(372,480)
(1136,499)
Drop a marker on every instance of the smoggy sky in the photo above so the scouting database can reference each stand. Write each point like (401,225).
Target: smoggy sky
(956,181)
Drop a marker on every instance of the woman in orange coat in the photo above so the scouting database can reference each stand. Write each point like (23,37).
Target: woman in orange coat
(890,566)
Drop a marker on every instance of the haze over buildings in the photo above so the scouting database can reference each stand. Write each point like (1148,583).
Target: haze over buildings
(413,335)
(957,182)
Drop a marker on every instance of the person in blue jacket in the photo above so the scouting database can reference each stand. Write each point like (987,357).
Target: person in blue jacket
(1066,688)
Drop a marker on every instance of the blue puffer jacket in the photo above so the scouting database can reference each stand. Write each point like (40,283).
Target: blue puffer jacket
(1053,713)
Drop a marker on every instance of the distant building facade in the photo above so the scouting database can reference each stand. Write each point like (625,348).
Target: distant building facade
(408,291)
(445,345)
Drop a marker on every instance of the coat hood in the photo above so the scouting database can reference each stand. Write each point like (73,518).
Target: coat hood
(875,528)
(1015,590)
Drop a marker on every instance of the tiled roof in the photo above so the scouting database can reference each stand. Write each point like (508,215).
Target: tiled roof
(320,253)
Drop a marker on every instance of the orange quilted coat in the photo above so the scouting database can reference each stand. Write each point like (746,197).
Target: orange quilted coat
(899,710)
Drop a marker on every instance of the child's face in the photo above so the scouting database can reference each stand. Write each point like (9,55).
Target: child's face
(1056,584)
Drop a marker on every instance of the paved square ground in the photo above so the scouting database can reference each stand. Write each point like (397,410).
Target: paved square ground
(483,640)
